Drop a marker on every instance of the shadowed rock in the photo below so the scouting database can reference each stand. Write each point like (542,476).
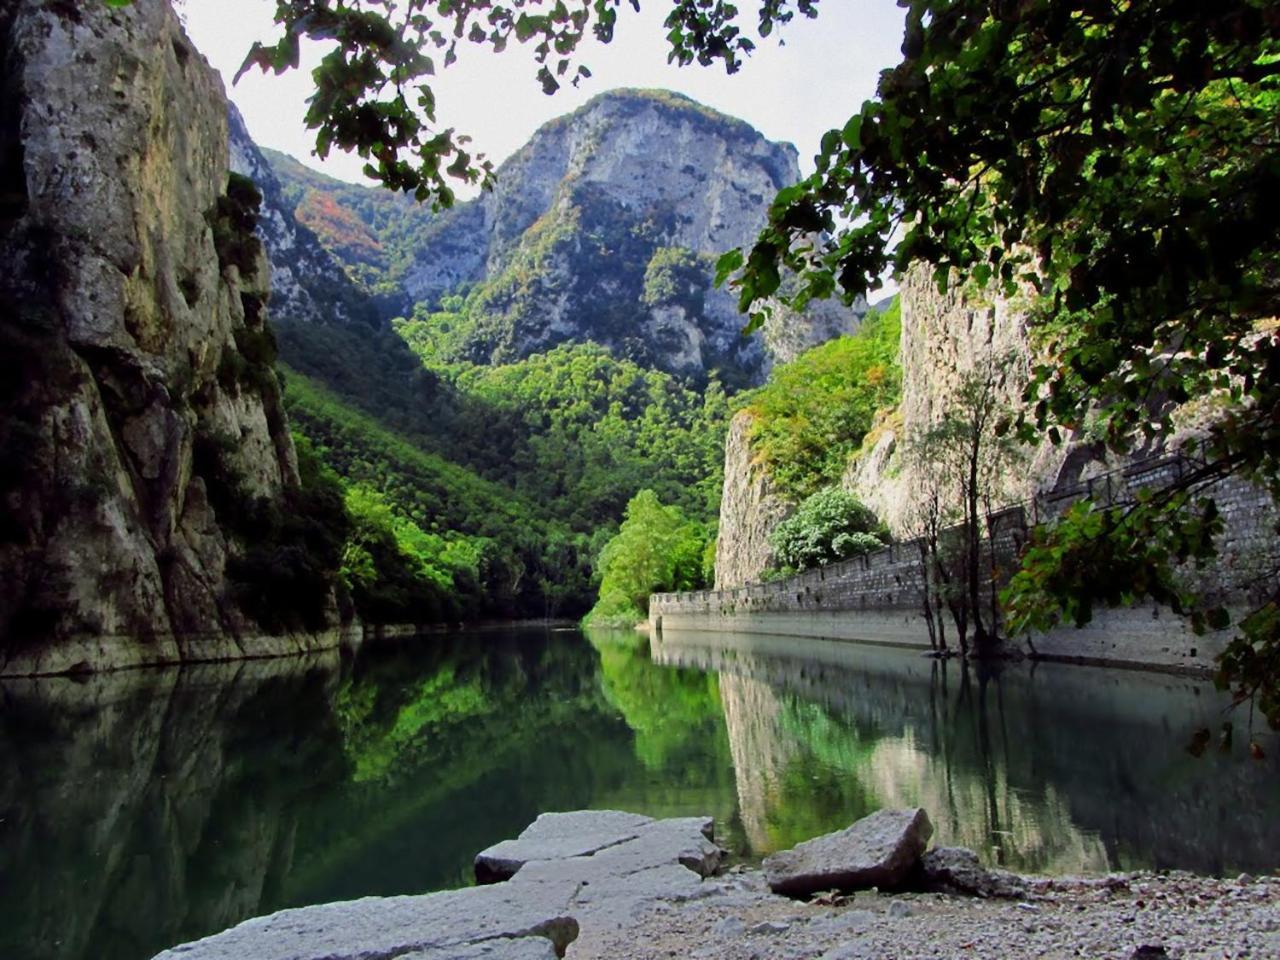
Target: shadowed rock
(881,850)
(496,921)
(593,869)
(958,870)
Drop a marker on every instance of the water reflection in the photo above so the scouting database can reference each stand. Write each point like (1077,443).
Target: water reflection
(141,809)
(1051,768)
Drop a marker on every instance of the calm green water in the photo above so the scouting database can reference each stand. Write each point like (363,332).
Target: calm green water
(141,809)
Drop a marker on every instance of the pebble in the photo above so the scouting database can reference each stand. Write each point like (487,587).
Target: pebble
(770,927)
(899,908)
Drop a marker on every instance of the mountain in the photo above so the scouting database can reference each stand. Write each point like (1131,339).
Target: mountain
(308,282)
(604,228)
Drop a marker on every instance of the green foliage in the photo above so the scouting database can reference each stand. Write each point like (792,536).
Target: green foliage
(444,517)
(398,573)
(675,276)
(579,431)
(1117,556)
(830,525)
(233,220)
(814,412)
(657,549)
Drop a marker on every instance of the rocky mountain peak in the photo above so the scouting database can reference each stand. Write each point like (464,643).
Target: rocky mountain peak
(606,227)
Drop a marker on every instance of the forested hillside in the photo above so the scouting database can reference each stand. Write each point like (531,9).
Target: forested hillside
(493,385)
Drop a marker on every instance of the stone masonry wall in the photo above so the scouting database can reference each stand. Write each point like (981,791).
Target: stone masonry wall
(879,597)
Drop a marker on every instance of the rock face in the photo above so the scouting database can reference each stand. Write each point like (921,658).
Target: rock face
(569,871)
(750,508)
(881,850)
(308,283)
(605,226)
(948,339)
(137,378)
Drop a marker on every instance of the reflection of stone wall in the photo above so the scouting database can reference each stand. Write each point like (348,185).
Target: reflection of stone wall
(126,822)
(1055,769)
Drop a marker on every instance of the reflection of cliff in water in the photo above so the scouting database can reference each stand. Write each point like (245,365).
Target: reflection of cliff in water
(144,808)
(1053,768)
(134,813)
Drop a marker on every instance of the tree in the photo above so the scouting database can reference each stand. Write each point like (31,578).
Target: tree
(965,465)
(831,525)
(657,548)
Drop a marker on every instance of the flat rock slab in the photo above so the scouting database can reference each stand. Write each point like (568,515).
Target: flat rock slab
(618,842)
(493,922)
(523,948)
(881,850)
(598,869)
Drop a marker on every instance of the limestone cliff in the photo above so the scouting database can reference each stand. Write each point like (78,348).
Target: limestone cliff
(605,227)
(749,510)
(949,340)
(137,384)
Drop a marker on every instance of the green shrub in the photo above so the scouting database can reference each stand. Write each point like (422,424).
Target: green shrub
(831,525)
(657,549)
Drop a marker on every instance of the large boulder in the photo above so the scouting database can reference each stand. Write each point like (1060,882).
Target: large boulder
(958,870)
(592,872)
(882,850)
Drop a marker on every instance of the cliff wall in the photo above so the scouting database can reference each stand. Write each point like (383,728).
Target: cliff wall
(308,283)
(958,349)
(605,226)
(137,381)
(750,508)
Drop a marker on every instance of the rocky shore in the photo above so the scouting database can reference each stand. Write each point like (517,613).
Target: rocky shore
(607,884)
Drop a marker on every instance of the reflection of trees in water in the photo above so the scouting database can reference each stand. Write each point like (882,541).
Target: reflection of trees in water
(676,719)
(144,808)
(1061,770)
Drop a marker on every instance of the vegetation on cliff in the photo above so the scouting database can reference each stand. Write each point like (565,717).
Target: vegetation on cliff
(1115,159)
(828,526)
(1129,192)
(814,412)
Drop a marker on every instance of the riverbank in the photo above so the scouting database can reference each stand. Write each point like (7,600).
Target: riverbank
(592,885)
(1176,915)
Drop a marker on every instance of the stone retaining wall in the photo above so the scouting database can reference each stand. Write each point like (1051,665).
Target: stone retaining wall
(879,597)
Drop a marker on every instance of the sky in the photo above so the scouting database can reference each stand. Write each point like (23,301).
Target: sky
(791,93)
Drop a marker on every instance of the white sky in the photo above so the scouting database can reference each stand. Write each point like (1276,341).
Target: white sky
(792,93)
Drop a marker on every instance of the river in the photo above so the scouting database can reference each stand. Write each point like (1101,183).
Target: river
(144,808)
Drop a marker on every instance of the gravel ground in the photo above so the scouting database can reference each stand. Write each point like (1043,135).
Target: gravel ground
(736,918)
